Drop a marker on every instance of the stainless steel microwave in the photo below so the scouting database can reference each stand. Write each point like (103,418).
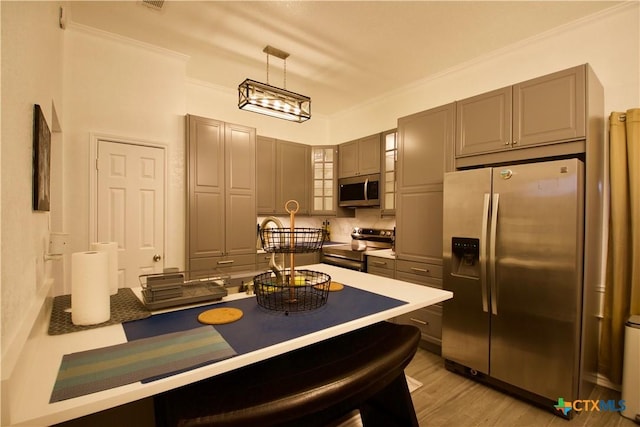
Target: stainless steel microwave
(359,191)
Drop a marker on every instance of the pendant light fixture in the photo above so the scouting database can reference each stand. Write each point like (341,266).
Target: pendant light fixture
(271,100)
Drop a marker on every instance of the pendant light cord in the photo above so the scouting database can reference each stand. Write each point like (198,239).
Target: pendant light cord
(267,68)
(285,72)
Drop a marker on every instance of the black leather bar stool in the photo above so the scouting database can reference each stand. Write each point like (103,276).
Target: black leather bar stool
(312,386)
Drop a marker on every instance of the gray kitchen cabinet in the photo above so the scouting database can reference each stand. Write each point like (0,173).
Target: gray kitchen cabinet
(324,180)
(381,266)
(221,206)
(266,175)
(425,152)
(541,111)
(359,157)
(293,175)
(388,172)
(427,319)
(420,273)
(484,123)
(419,226)
(301,259)
(283,173)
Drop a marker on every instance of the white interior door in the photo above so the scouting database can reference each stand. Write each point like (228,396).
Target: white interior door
(130,207)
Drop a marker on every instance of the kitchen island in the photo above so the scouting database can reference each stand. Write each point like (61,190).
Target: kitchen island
(28,391)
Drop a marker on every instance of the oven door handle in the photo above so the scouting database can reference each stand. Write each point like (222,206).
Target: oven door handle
(335,256)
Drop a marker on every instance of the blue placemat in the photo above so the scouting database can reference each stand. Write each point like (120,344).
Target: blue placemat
(260,328)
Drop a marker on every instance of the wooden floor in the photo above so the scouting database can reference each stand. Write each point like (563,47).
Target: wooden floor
(447,399)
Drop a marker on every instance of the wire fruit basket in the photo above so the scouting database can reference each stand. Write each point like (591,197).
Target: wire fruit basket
(309,291)
(289,290)
(285,240)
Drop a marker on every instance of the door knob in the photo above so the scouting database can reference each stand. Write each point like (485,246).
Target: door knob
(156,258)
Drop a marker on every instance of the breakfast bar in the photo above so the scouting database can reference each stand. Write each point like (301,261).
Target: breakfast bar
(30,387)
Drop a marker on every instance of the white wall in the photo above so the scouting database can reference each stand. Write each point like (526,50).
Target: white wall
(609,41)
(32,45)
(127,90)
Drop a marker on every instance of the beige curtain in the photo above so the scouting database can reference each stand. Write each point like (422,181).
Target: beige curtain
(622,294)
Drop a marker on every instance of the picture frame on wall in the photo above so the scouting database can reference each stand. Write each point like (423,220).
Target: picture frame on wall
(41,161)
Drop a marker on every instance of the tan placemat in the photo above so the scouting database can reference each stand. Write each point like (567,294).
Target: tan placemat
(335,286)
(125,306)
(220,316)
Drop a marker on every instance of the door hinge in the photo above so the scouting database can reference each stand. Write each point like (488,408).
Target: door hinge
(97,164)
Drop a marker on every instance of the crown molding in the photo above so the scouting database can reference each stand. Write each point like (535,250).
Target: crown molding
(127,41)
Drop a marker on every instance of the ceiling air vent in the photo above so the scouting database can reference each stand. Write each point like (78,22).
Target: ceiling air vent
(153,4)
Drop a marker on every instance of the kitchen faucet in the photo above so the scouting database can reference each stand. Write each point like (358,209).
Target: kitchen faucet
(275,267)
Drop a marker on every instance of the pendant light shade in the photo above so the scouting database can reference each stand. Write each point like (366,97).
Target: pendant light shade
(271,100)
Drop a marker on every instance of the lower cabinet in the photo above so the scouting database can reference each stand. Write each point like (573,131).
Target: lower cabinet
(419,272)
(427,319)
(223,264)
(379,266)
(301,259)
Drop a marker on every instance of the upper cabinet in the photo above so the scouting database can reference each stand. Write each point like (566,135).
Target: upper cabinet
(541,111)
(360,157)
(283,171)
(484,123)
(390,158)
(323,161)
(292,175)
(266,175)
(425,142)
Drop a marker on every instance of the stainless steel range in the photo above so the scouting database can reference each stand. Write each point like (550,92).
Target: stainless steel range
(353,256)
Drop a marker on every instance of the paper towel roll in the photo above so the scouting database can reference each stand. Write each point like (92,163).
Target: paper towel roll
(112,249)
(90,301)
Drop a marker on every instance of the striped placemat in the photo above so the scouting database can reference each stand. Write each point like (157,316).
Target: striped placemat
(103,368)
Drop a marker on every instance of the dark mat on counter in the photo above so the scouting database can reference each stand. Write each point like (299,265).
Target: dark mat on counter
(259,327)
(100,369)
(125,306)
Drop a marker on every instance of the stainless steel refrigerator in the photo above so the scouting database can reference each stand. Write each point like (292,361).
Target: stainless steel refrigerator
(513,257)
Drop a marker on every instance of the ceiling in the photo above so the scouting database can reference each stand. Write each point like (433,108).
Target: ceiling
(342,53)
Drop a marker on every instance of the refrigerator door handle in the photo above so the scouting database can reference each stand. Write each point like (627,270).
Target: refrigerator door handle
(492,254)
(483,253)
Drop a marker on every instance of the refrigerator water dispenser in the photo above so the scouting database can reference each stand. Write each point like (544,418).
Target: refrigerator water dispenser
(465,257)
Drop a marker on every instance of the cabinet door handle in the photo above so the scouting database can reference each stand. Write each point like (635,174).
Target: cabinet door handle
(515,142)
(226,262)
(507,143)
(420,270)
(421,322)
(378,262)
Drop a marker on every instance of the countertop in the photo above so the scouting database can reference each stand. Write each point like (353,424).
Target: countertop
(382,253)
(28,390)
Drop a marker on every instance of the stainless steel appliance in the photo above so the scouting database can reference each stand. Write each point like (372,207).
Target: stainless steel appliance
(353,256)
(513,257)
(359,191)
